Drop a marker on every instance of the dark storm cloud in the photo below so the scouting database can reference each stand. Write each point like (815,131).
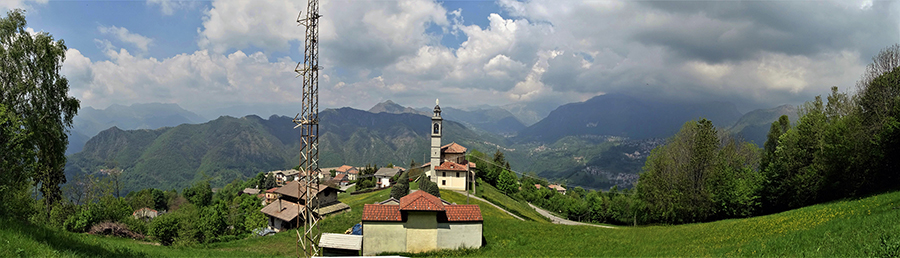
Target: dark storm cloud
(732,31)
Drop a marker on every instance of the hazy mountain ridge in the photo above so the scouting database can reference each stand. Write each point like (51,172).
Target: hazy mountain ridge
(489,119)
(90,121)
(755,125)
(625,116)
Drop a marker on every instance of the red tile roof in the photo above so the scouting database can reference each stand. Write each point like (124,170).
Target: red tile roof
(453,148)
(340,177)
(421,201)
(272,190)
(381,212)
(452,166)
(469,212)
(343,169)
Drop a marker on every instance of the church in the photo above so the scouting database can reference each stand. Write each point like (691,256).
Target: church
(452,171)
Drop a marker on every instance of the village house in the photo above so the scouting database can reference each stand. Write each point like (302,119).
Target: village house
(271,196)
(341,179)
(448,168)
(420,222)
(558,188)
(282,176)
(249,191)
(383,176)
(351,172)
(284,211)
(145,213)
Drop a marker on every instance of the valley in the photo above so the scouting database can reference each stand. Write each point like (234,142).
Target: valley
(229,148)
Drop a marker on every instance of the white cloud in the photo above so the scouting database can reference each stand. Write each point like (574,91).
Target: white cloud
(197,81)
(123,35)
(168,7)
(19,4)
(544,50)
(270,25)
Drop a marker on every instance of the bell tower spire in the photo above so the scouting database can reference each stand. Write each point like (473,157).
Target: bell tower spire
(436,131)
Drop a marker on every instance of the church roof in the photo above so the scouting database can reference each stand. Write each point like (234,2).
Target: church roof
(451,166)
(453,148)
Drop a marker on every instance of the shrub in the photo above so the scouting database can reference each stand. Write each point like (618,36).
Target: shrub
(164,228)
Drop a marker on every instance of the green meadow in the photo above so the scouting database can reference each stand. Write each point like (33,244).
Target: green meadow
(858,227)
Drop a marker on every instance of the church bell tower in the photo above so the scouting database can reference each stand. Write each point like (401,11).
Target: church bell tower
(436,130)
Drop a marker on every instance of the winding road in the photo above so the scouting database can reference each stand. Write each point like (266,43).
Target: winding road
(558,220)
(486,201)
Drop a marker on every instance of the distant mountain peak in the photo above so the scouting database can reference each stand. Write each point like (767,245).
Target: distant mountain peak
(389,106)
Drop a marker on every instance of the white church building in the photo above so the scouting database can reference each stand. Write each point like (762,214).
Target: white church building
(453,171)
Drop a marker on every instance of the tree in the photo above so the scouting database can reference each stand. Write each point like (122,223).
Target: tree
(777,129)
(16,156)
(33,91)
(399,190)
(199,194)
(508,182)
(696,176)
(269,183)
(164,228)
(429,187)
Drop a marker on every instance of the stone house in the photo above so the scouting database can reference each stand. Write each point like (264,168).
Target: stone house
(420,222)
(383,175)
(283,212)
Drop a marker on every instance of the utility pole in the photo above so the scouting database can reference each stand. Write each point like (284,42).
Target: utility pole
(308,121)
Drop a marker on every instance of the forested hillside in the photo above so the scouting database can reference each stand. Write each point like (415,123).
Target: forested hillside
(231,148)
(89,121)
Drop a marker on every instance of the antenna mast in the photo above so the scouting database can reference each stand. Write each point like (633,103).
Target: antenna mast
(308,121)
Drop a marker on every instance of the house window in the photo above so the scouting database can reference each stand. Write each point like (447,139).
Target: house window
(443,173)
(443,182)
(457,174)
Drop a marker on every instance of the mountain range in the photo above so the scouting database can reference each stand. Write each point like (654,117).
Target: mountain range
(625,116)
(595,144)
(231,148)
(90,121)
(754,126)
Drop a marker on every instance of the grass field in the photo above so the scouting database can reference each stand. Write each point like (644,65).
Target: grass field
(861,227)
(519,208)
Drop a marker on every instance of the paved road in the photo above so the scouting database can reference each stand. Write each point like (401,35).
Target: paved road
(486,201)
(558,220)
(347,187)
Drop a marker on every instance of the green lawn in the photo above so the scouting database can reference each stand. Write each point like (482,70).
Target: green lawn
(847,228)
(861,227)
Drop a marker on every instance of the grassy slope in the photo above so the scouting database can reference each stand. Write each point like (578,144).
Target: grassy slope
(519,208)
(845,228)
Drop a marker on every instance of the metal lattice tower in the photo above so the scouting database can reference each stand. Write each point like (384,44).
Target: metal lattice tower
(308,121)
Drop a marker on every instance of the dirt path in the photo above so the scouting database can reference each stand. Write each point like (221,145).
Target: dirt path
(558,220)
(486,201)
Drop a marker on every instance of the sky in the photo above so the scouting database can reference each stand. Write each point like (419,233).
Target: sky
(225,56)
